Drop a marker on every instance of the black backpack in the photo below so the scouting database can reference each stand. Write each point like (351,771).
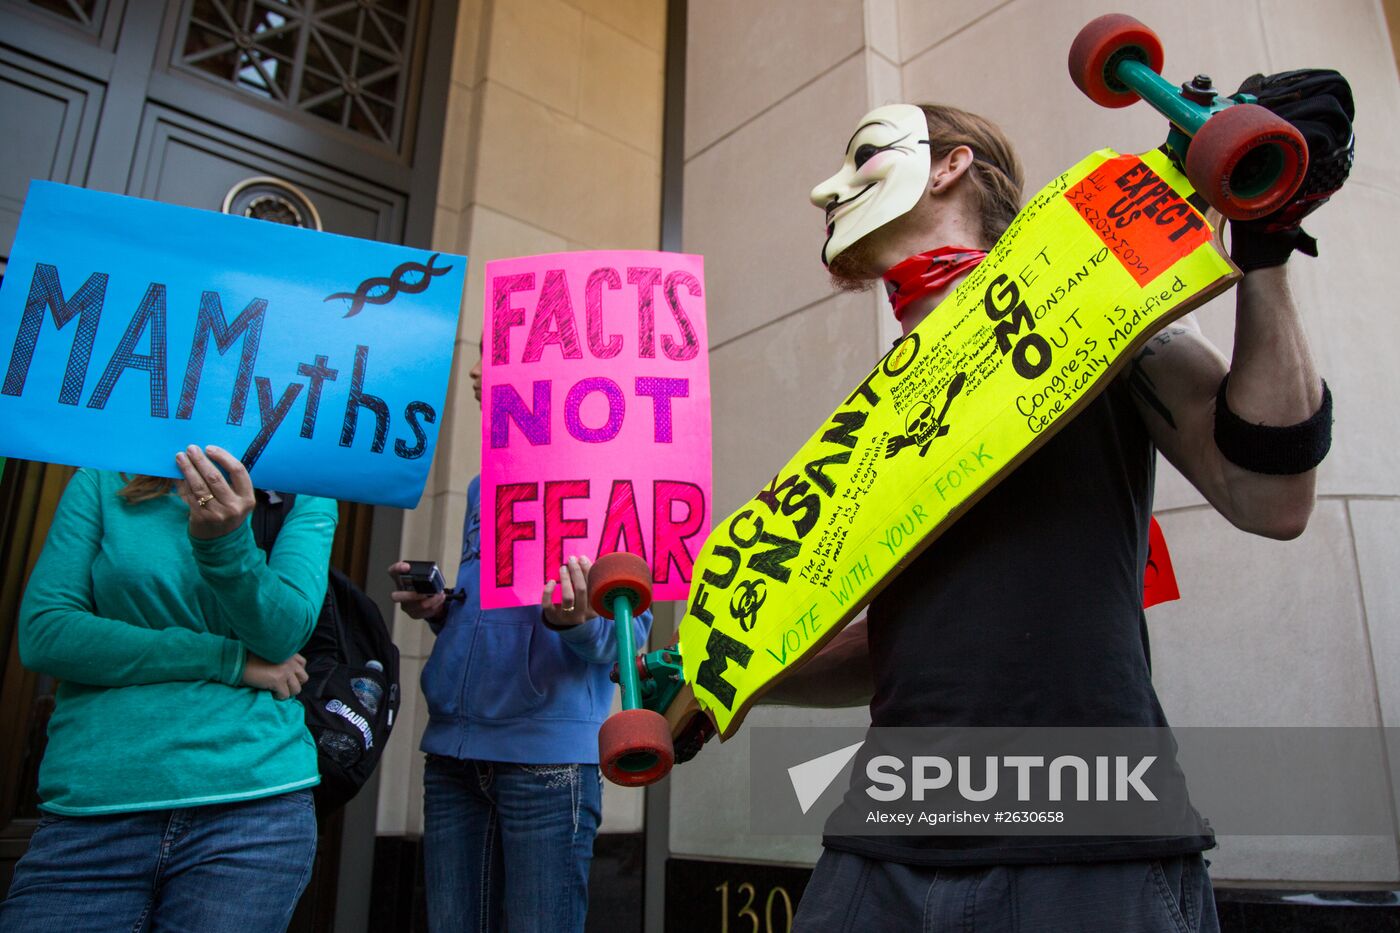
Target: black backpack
(349,703)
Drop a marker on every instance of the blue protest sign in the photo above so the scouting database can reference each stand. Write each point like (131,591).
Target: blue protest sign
(129,329)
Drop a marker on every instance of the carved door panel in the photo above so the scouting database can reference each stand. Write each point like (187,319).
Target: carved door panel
(324,113)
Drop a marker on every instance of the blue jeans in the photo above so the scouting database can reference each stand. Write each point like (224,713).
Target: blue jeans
(849,893)
(507,844)
(227,868)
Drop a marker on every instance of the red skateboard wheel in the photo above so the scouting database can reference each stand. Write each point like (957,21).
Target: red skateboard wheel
(634,748)
(1100,46)
(1247,161)
(619,570)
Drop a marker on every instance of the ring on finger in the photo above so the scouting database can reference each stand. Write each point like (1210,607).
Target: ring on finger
(205,499)
(568,608)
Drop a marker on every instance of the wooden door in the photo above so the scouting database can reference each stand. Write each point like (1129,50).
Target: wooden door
(324,113)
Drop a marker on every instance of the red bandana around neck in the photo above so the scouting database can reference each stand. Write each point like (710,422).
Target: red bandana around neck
(920,276)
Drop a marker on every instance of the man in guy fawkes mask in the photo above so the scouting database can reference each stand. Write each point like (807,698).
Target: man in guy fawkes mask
(1050,563)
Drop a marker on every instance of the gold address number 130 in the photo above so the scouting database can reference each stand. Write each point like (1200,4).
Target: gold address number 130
(778,901)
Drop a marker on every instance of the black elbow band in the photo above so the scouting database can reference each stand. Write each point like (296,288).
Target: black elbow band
(1276,451)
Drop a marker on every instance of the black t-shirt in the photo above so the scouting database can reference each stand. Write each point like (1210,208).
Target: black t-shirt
(1026,613)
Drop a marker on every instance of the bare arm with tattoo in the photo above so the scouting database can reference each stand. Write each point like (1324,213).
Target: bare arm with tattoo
(1175,378)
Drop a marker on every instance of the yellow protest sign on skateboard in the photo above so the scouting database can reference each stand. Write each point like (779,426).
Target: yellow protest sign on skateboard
(1100,259)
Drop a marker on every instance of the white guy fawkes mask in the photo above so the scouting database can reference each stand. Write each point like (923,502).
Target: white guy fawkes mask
(884,175)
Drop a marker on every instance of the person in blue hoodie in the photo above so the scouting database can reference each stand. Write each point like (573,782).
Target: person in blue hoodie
(511,788)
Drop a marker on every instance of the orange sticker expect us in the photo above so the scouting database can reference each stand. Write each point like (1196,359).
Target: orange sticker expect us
(1139,217)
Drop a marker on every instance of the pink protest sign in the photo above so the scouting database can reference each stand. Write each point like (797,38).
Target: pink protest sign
(595,417)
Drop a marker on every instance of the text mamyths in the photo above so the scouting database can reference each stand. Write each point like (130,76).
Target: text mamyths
(144,347)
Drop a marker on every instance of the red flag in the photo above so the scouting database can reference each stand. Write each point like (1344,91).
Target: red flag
(1158,579)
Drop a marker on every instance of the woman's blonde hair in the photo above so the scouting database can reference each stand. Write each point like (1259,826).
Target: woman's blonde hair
(143,488)
(995,170)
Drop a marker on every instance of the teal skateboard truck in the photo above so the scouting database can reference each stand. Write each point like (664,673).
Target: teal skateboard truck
(634,744)
(1245,160)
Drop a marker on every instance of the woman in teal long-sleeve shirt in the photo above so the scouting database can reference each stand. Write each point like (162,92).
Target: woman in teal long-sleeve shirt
(176,780)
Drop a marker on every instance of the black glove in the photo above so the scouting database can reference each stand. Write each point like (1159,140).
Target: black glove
(1318,102)
(693,738)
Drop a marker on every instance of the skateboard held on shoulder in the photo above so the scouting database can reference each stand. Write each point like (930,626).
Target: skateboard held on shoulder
(1245,160)
(1094,265)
